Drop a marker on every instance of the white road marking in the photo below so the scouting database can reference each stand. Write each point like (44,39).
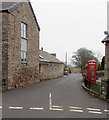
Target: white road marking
(50,99)
(93,109)
(36,108)
(76,110)
(74,107)
(56,106)
(16,108)
(56,109)
(0,107)
(95,112)
(106,110)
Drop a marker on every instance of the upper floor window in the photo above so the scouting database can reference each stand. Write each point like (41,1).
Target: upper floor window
(23,42)
(23,30)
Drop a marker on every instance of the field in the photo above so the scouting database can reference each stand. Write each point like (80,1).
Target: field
(75,70)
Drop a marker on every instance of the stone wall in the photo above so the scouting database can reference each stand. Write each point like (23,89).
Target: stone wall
(107,69)
(5,24)
(50,70)
(18,73)
(107,61)
(105,82)
(0,49)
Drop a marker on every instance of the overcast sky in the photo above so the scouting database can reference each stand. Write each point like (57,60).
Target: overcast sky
(67,25)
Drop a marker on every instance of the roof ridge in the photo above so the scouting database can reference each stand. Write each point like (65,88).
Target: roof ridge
(47,57)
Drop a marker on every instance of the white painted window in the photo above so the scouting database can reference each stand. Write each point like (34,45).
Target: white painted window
(23,30)
(23,42)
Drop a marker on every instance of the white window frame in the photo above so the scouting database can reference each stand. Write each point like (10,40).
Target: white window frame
(23,42)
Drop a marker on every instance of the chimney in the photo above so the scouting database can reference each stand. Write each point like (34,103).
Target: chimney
(42,48)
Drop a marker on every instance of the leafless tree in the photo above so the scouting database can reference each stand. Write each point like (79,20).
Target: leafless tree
(81,57)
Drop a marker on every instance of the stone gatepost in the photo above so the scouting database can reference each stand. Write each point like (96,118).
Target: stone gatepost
(105,83)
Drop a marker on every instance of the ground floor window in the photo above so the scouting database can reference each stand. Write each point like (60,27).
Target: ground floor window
(24,50)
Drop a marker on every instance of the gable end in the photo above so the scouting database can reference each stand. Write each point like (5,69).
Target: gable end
(15,6)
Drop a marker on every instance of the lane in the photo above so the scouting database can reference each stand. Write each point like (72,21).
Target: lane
(66,113)
(57,98)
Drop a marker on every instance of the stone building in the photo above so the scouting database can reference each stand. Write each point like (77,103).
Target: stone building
(105,83)
(50,67)
(105,41)
(20,45)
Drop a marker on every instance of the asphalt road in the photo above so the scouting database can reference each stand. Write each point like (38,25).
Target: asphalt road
(58,98)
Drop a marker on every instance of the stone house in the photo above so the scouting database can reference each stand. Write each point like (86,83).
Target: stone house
(49,66)
(105,83)
(20,45)
(105,41)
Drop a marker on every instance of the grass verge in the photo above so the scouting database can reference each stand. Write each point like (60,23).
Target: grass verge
(96,88)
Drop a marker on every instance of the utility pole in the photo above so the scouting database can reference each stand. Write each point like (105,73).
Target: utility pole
(66,58)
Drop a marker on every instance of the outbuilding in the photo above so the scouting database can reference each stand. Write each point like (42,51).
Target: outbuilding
(50,67)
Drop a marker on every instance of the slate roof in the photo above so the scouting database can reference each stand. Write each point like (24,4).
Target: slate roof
(10,6)
(48,58)
(106,39)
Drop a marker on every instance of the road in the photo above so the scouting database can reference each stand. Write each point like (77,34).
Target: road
(57,98)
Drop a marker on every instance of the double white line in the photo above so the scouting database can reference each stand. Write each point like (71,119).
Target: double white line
(93,110)
(54,107)
(75,109)
(58,108)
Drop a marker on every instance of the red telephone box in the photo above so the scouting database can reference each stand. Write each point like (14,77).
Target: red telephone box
(91,71)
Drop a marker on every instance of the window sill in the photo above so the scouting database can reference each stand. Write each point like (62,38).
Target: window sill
(24,62)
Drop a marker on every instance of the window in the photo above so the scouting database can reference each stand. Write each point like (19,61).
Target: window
(23,30)
(23,42)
